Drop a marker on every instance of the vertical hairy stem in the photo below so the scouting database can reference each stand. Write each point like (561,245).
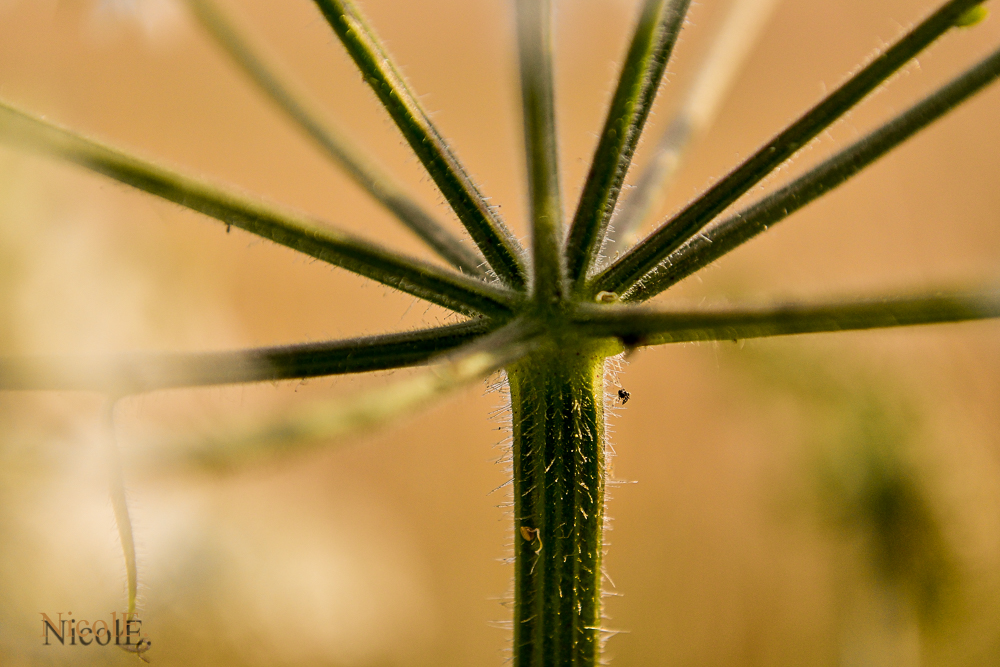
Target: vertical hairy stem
(558,417)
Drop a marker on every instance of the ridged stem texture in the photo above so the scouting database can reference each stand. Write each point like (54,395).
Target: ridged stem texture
(558,459)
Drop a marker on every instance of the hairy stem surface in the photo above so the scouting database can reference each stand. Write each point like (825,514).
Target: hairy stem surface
(558,455)
(500,248)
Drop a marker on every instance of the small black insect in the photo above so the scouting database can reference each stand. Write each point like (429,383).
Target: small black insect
(228,227)
(623,396)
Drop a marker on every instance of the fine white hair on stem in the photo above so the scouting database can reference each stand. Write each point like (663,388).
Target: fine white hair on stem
(503,416)
(613,368)
(736,37)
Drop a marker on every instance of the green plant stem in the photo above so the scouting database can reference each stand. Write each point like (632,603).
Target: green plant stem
(500,248)
(638,261)
(119,503)
(636,327)
(421,279)
(534,33)
(715,77)
(557,399)
(652,43)
(299,430)
(725,236)
(354,161)
(136,373)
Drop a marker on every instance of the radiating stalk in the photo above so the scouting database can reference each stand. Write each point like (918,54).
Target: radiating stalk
(495,241)
(652,43)
(712,83)
(142,372)
(421,279)
(635,326)
(261,440)
(727,235)
(352,159)
(631,267)
(558,454)
(534,38)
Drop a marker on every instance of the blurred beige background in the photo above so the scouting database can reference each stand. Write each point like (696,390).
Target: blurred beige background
(752,533)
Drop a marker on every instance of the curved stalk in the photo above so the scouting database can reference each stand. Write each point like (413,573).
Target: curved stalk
(534,32)
(557,400)
(727,235)
(135,373)
(500,248)
(638,261)
(421,279)
(354,161)
(300,430)
(652,43)
(636,327)
(119,504)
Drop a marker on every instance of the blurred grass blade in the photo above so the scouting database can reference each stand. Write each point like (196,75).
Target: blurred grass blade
(652,43)
(119,503)
(723,237)
(716,75)
(352,159)
(497,244)
(136,373)
(534,39)
(638,261)
(636,326)
(321,422)
(421,279)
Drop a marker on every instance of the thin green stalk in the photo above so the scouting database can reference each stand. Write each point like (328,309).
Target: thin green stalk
(635,326)
(534,32)
(299,430)
(557,400)
(725,236)
(500,248)
(712,83)
(655,35)
(354,161)
(119,504)
(630,268)
(123,520)
(135,373)
(421,279)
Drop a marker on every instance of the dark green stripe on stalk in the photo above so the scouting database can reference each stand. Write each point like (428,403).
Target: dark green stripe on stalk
(650,49)
(635,326)
(534,38)
(132,373)
(558,455)
(732,232)
(353,160)
(421,279)
(500,248)
(638,261)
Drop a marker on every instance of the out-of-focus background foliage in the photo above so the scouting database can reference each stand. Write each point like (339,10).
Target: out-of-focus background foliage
(825,500)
